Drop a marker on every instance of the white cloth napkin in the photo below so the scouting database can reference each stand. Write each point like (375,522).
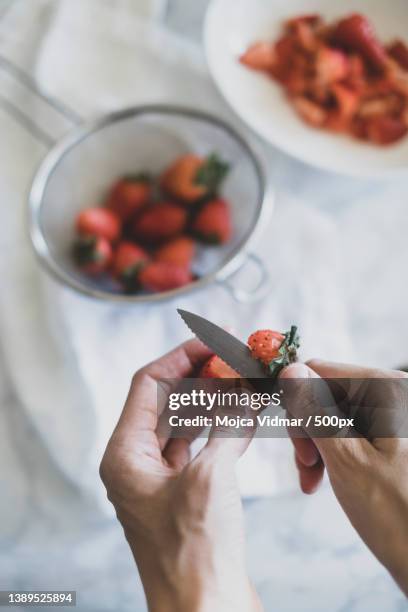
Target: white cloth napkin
(71,359)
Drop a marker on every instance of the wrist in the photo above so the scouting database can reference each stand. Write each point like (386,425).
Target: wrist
(203,596)
(192,579)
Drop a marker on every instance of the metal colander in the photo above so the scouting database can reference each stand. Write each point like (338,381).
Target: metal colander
(80,168)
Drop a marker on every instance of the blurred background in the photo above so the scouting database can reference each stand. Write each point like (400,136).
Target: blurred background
(335,249)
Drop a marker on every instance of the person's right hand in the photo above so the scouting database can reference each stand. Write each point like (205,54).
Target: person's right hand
(182,516)
(369,478)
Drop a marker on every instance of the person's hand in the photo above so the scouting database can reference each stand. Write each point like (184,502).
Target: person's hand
(369,478)
(183,519)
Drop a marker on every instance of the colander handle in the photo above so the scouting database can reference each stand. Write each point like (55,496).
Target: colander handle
(253,294)
(56,111)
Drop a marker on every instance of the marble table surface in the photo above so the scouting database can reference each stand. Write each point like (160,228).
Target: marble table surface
(302,553)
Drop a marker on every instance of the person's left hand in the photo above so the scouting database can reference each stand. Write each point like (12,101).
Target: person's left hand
(183,519)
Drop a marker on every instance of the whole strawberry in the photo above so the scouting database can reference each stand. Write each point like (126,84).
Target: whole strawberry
(99,222)
(191,177)
(213,223)
(274,349)
(160,222)
(92,254)
(129,259)
(179,251)
(163,276)
(215,367)
(129,194)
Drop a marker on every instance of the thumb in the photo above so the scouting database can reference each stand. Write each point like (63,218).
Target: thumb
(309,398)
(232,430)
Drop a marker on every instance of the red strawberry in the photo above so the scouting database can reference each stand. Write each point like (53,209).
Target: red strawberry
(385,130)
(274,349)
(357,34)
(213,222)
(128,261)
(164,276)
(190,178)
(92,254)
(259,56)
(129,194)
(265,345)
(179,251)
(217,368)
(98,222)
(160,222)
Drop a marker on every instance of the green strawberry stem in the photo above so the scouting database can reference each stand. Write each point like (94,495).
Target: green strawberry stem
(293,334)
(287,352)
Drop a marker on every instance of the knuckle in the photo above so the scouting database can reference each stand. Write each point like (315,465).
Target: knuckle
(140,377)
(119,479)
(314,363)
(136,378)
(114,463)
(106,468)
(103,474)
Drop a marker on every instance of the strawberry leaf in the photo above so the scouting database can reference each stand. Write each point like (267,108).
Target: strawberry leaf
(85,251)
(212,173)
(130,277)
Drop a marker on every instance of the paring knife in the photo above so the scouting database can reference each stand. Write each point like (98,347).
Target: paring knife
(235,353)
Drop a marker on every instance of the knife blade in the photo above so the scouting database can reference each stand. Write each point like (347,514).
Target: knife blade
(231,350)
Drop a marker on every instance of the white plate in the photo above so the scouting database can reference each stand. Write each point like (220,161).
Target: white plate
(230,27)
